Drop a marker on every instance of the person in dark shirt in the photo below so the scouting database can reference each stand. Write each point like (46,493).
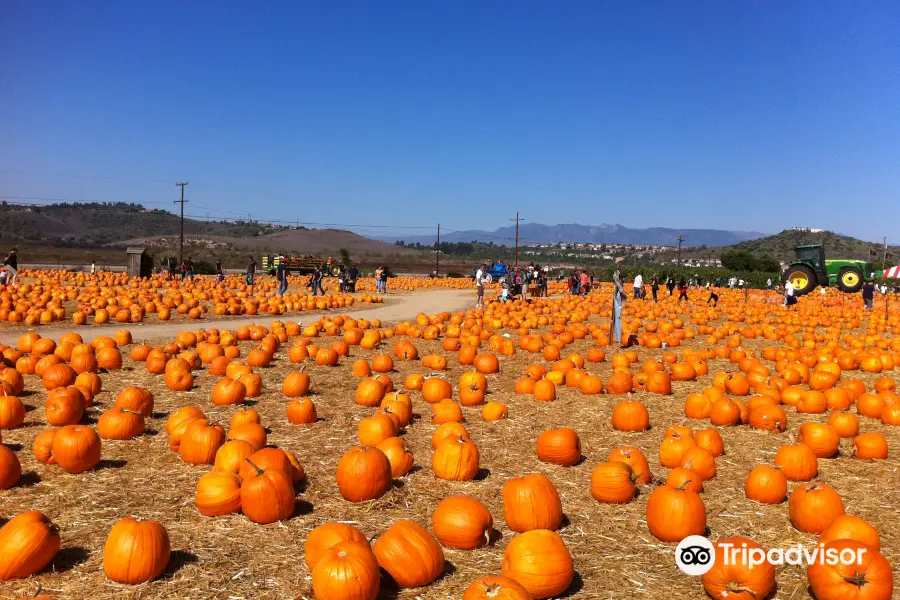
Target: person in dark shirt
(868,294)
(251,271)
(353,274)
(281,276)
(190,267)
(220,274)
(12,266)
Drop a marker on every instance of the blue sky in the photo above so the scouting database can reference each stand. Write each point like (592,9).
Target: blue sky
(733,115)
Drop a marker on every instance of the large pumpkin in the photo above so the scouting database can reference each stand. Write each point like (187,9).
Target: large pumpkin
(327,536)
(559,446)
(674,514)
(814,506)
(531,502)
(411,555)
(455,459)
(346,571)
(28,542)
(868,577)
(363,473)
(540,562)
(738,580)
(136,551)
(76,448)
(267,495)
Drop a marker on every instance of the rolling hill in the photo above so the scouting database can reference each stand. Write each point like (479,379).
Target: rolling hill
(534,233)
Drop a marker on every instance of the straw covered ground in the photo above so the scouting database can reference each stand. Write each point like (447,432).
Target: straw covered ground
(230,557)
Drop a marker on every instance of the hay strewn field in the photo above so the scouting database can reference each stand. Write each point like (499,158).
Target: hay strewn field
(615,555)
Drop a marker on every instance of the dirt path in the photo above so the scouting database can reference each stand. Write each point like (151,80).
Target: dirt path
(401,308)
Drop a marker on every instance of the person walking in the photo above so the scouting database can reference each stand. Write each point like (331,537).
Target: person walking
(378,273)
(317,282)
(183,270)
(282,276)
(584,283)
(638,286)
(619,296)
(190,267)
(342,281)
(713,296)
(682,290)
(251,271)
(654,287)
(384,280)
(868,293)
(93,267)
(352,276)
(670,285)
(171,268)
(220,273)
(481,278)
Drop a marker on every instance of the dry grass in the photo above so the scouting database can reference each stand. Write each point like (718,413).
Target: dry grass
(231,557)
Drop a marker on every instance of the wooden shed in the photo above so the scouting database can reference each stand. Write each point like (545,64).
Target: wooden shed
(138,262)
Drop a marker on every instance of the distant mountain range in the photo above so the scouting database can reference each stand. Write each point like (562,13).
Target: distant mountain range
(535,233)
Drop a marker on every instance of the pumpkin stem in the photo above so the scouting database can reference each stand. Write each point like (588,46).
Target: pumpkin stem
(859,580)
(252,464)
(492,591)
(679,488)
(37,591)
(734,588)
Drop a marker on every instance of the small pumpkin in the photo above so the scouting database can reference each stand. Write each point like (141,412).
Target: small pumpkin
(455,459)
(559,446)
(766,484)
(613,482)
(218,493)
(462,522)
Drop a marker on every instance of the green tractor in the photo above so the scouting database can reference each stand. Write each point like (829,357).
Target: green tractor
(811,269)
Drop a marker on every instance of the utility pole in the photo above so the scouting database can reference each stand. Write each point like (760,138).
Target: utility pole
(437,253)
(884,256)
(680,240)
(517,219)
(181,184)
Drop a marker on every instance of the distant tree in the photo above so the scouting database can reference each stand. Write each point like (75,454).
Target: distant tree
(767,263)
(345,257)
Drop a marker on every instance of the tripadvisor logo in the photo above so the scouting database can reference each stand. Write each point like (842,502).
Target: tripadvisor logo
(695,555)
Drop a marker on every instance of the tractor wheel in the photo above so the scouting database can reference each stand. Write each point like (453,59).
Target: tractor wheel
(803,278)
(849,280)
(335,271)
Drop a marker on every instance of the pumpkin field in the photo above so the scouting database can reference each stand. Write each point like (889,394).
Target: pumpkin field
(508,452)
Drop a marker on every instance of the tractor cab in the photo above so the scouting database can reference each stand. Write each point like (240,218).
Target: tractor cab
(814,257)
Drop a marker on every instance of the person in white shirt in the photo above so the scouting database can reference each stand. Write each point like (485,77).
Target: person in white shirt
(479,286)
(769,282)
(789,298)
(638,285)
